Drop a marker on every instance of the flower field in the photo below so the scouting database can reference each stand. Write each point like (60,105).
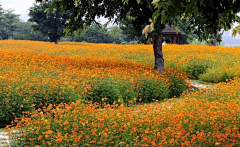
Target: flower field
(35,74)
(52,86)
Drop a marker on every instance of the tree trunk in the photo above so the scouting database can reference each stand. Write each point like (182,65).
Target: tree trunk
(159,61)
(56,41)
(6,33)
(216,43)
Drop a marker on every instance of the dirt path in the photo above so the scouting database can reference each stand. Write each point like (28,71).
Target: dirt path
(4,139)
(200,84)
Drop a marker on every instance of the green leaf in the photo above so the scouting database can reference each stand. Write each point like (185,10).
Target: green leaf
(46,10)
(163,18)
(177,5)
(155,3)
(156,17)
(160,5)
(155,14)
(106,24)
(195,11)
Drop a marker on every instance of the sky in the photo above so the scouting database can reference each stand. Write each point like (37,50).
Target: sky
(21,7)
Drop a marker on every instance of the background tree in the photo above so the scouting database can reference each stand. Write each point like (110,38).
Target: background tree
(133,35)
(97,34)
(25,31)
(129,31)
(8,23)
(11,20)
(205,17)
(49,21)
(1,21)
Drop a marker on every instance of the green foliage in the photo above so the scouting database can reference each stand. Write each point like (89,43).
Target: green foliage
(12,28)
(16,99)
(49,21)
(216,75)
(198,42)
(96,34)
(189,33)
(212,42)
(124,42)
(12,104)
(111,92)
(25,31)
(195,68)
(146,90)
(220,14)
(104,92)
(150,90)
(128,29)
(8,23)
(47,94)
(236,31)
(85,12)
(177,84)
(128,92)
(133,42)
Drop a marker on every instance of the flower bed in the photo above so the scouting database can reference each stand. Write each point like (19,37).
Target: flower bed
(199,118)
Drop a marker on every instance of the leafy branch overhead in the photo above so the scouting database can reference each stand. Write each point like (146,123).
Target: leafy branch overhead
(236,31)
(205,17)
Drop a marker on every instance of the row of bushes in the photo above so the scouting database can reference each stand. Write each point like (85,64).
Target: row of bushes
(18,98)
(143,90)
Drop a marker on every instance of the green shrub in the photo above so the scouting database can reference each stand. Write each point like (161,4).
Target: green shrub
(124,42)
(12,103)
(216,75)
(104,91)
(128,92)
(110,92)
(195,69)
(53,95)
(18,98)
(133,42)
(150,90)
(177,85)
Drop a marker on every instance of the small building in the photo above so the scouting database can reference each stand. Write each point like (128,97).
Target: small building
(169,32)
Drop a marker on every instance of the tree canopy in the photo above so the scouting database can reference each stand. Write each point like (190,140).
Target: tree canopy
(204,15)
(8,23)
(49,21)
